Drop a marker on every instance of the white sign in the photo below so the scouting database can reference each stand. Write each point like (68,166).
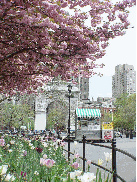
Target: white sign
(107,134)
(93,127)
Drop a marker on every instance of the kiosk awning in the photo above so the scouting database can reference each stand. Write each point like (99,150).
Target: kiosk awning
(88,113)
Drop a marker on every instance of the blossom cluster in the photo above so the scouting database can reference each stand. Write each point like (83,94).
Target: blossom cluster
(41,40)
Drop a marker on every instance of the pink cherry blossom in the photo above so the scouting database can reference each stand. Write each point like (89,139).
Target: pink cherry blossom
(46,42)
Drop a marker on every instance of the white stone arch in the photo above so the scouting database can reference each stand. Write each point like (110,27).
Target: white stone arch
(43,100)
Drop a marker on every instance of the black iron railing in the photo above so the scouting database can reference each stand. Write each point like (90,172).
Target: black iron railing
(114,149)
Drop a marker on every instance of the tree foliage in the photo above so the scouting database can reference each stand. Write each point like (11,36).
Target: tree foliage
(43,39)
(107,117)
(15,115)
(125,115)
(57,114)
(56,119)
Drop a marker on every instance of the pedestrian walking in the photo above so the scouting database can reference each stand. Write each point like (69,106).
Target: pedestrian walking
(50,133)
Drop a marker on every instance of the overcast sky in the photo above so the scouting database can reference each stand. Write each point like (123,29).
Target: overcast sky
(122,50)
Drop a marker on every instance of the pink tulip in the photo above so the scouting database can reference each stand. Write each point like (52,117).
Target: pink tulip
(2,142)
(76,155)
(25,153)
(75,165)
(63,143)
(23,174)
(49,163)
(88,162)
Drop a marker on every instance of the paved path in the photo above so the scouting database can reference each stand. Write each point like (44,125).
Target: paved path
(126,167)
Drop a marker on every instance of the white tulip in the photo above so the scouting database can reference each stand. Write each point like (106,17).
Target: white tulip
(9,178)
(108,156)
(3,169)
(78,172)
(10,150)
(87,177)
(7,145)
(30,144)
(12,142)
(44,144)
(75,143)
(36,173)
(58,141)
(32,147)
(72,175)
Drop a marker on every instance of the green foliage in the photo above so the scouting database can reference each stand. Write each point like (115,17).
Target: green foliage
(56,117)
(107,117)
(57,112)
(125,115)
(15,115)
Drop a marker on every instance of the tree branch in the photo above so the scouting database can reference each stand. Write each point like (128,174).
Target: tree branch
(15,53)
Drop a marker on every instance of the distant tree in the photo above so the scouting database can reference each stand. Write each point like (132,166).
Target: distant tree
(107,117)
(15,115)
(125,115)
(131,111)
(56,116)
(56,119)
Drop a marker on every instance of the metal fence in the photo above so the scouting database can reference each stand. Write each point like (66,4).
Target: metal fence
(112,147)
(114,150)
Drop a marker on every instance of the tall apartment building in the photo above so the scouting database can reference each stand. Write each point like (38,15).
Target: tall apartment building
(84,88)
(124,80)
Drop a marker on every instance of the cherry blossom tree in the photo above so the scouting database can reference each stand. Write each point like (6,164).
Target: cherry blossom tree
(41,39)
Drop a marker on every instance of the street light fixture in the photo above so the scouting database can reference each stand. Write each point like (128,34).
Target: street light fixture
(69,90)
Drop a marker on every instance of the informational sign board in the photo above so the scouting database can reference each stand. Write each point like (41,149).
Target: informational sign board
(107,134)
(107,126)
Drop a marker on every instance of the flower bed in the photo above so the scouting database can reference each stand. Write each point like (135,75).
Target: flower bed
(38,159)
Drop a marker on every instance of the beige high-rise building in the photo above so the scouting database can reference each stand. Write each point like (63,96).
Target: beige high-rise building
(124,80)
(84,88)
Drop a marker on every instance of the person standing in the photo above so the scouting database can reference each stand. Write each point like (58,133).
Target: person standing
(53,132)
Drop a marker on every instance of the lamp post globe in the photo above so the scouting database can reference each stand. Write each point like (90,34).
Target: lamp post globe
(69,88)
